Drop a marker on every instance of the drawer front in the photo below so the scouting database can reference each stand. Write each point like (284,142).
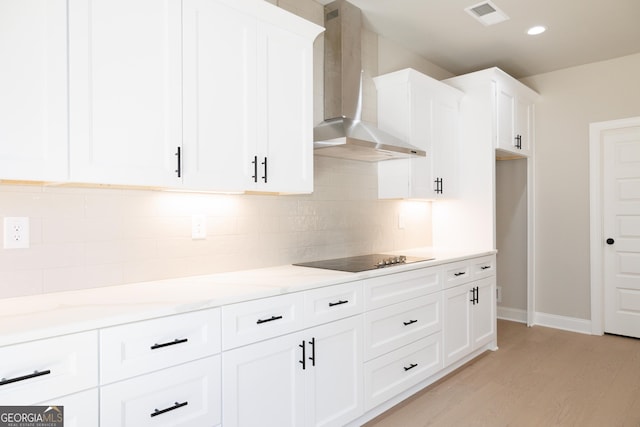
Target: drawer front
(483,267)
(80,409)
(391,327)
(393,373)
(142,347)
(331,303)
(393,288)
(186,395)
(253,321)
(44,369)
(457,273)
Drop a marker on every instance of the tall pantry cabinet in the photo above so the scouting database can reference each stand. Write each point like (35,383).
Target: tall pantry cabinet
(497,122)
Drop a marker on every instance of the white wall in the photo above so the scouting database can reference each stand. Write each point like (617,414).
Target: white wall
(570,100)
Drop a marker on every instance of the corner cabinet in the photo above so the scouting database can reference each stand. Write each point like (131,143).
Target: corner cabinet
(201,95)
(512,109)
(424,112)
(33,88)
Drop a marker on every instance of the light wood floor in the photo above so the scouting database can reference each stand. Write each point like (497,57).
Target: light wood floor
(538,377)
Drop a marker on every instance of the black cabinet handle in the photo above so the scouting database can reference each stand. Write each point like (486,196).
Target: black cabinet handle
(5,381)
(474,295)
(271,319)
(610,241)
(477,295)
(265,170)
(157,412)
(518,142)
(410,322)
(167,344)
(439,185)
(460,273)
(413,365)
(313,351)
(255,169)
(340,302)
(484,267)
(179,156)
(303,361)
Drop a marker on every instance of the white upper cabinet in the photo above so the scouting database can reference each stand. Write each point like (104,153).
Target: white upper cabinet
(33,90)
(423,112)
(125,106)
(512,108)
(248,89)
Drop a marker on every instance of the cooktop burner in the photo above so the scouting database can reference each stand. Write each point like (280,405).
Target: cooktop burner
(356,264)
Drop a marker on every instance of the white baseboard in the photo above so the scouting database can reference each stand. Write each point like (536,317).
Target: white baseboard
(562,322)
(512,314)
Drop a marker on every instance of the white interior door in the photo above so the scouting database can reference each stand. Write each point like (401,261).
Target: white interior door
(621,227)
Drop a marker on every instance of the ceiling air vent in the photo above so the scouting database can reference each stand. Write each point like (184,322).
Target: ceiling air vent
(487,13)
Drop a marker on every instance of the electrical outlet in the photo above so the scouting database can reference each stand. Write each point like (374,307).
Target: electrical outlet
(198,227)
(498,294)
(16,232)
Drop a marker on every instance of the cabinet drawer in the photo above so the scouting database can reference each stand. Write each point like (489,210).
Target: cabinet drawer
(185,395)
(331,303)
(147,346)
(396,325)
(80,409)
(44,369)
(393,288)
(457,273)
(393,373)
(483,267)
(253,321)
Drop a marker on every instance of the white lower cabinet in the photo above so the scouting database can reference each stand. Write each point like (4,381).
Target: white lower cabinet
(79,409)
(469,318)
(307,378)
(186,395)
(395,372)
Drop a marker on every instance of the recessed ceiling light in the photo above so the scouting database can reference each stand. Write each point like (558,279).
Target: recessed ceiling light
(534,31)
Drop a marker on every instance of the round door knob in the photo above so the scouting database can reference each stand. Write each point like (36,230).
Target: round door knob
(610,241)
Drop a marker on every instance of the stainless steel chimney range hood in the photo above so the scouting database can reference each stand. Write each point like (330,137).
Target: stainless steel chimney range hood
(342,133)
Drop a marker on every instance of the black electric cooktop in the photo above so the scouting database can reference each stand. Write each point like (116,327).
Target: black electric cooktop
(356,264)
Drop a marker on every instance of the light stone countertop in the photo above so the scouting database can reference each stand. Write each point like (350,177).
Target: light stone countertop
(41,316)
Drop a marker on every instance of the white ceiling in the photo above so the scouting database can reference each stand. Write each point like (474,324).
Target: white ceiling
(578,32)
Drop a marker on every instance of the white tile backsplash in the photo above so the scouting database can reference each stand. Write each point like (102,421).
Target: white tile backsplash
(90,237)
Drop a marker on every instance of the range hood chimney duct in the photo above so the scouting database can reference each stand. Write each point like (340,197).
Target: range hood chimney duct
(343,133)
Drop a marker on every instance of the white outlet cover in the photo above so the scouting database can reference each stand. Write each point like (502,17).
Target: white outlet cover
(16,232)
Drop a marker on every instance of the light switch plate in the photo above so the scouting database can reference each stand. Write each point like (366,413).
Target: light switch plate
(198,227)
(16,232)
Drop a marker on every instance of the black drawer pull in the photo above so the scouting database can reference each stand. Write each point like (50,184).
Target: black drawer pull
(271,319)
(413,365)
(157,412)
(340,302)
(167,344)
(35,374)
(460,273)
(410,322)
(484,267)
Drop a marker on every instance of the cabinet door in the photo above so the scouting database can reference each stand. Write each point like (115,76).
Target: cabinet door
(484,312)
(523,124)
(219,69)
(457,323)
(444,148)
(421,136)
(33,84)
(263,384)
(125,107)
(285,112)
(334,386)
(506,103)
